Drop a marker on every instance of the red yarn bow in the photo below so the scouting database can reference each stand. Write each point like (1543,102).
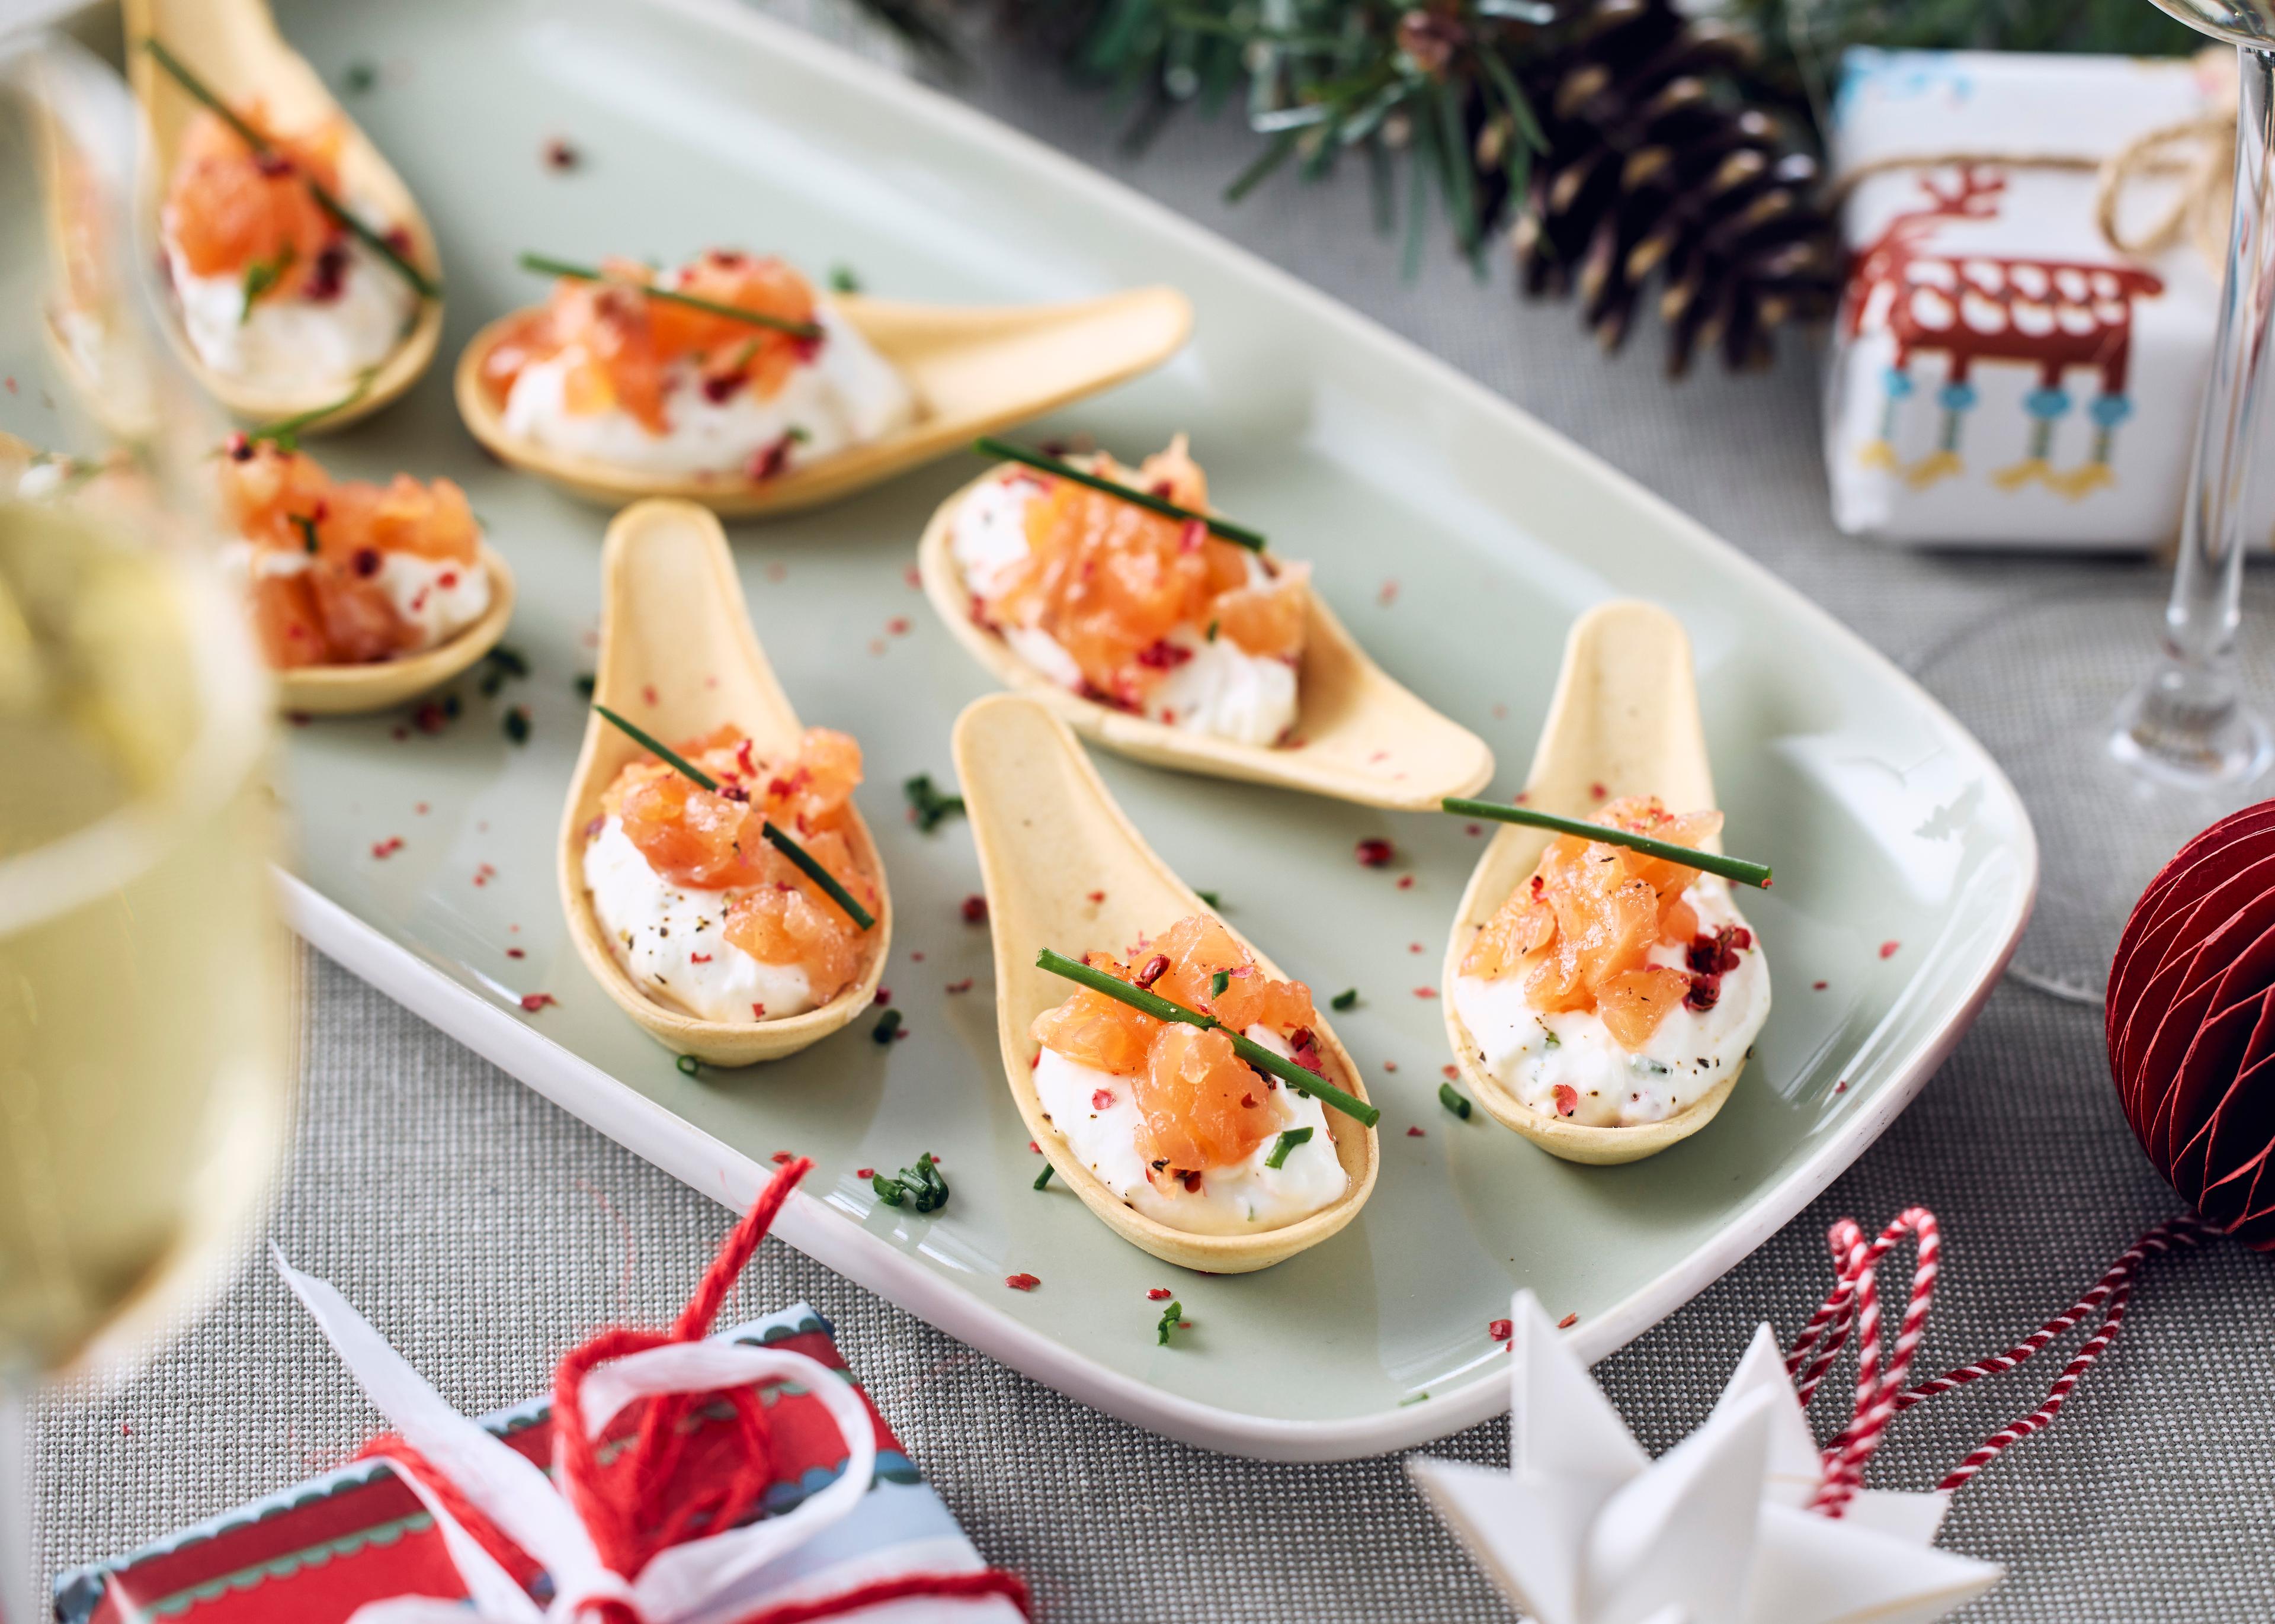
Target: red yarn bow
(631,1507)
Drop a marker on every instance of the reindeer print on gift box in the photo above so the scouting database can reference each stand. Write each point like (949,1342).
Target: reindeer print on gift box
(2056,316)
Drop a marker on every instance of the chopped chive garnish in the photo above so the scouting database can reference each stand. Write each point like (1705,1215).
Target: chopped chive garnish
(1348,999)
(1239,534)
(517,724)
(360,77)
(806,863)
(1454,1100)
(688,1065)
(1414,1398)
(1044,1177)
(1170,1316)
(842,280)
(502,665)
(1285,1143)
(586,682)
(798,856)
(546,266)
(262,276)
(306,526)
(424,285)
(1219,982)
(1211,898)
(1712,862)
(1211,631)
(888,1027)
(927,806)
(1254,1053)
(921,1186)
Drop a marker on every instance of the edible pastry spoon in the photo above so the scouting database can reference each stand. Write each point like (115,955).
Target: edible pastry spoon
(1064,869)
(234,51)
(351,690)
(678,658)
(1624,719)
(1365,739)
(972,370)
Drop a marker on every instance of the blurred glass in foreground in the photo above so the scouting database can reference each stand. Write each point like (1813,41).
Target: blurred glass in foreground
(143,1073)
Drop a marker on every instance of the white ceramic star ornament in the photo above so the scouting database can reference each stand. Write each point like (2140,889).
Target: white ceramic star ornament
(1584,1527)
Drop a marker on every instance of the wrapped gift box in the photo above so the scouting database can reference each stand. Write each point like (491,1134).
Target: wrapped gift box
(315,1552)
(2000,375)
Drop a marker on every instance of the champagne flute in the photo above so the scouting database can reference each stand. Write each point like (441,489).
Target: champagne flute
(2117,780)
(2189,722)
(143,1074)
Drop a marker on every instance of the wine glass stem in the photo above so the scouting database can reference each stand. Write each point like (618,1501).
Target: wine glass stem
(2202,617)
(2188,720)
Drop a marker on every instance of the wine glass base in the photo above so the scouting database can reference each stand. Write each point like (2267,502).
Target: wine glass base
(2169,730)
(2042,687)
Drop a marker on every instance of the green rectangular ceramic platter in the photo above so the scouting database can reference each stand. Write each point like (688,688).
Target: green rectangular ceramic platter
(1457,537)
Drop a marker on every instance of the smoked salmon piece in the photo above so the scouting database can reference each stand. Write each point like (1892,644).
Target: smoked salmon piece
(1200,1106)
(330,609)
(1582,929)
(228,208)
(628,344)
(691,836)
(1111,581)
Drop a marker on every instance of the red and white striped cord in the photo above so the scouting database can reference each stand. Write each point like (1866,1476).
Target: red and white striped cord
(1880,1395)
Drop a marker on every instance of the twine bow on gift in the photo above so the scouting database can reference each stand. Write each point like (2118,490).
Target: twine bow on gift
(613,1547)
(2200,152)
(1881,1394)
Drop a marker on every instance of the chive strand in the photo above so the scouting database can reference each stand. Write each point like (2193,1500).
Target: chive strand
(662,753)
(1254,1053)
(799,857)
(179,72)
(1712,862)
(285,431)
(1240,535)
(545,266)
(804,862)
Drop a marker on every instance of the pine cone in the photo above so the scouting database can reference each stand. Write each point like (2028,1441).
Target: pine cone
(1657,166)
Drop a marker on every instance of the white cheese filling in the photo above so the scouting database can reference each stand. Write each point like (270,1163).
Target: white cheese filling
(320,346)
(1218,688)
(1097,1113)
(847,395)
(1532,1054)
(670,940)
(437,597)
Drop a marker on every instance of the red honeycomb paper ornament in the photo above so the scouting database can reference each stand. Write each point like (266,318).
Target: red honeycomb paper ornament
(2191,1023)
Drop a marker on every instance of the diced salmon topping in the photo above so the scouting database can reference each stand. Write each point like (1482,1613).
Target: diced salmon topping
(332,609)
(229,209)
(1111,581)
(626,344)
(691,836)
(1199,1105)
(1581,930)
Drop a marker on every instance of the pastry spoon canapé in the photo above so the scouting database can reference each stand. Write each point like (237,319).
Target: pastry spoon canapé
(1065,871)
(972,370)
(1360,735)
(231,50)
(1623,720)
(679,659)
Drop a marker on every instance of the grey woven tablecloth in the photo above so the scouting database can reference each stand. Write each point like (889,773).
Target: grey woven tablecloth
(484,1230)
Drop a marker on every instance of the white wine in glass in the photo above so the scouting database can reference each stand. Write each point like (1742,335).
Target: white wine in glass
(143,1078)
(142,1072)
